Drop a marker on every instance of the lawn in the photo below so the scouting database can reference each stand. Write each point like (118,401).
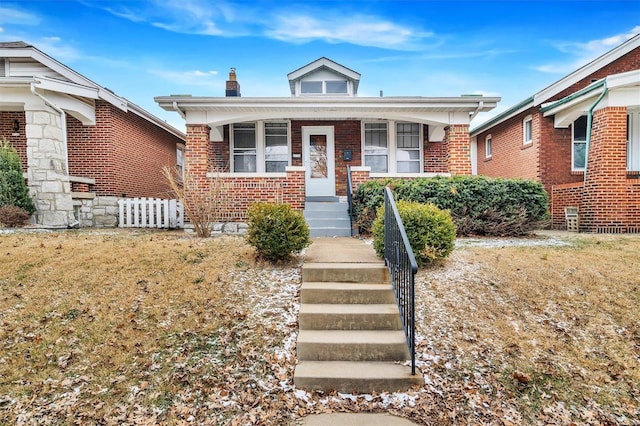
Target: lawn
(112,327)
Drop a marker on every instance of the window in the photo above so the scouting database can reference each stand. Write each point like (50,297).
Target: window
(488,149)
(527,130)
(260,147)
(633,141)
(311,86)
(408,147)
(180,160)
(375,147)
(579,143)
(276,147)
(336,86)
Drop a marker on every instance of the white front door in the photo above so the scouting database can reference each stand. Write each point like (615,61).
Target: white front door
(319,160)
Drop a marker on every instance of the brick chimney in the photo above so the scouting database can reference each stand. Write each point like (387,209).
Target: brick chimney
(233,87)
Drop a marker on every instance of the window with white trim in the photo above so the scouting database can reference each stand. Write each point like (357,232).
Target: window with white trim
(488,148)
(376,154)
(324,87)
(180,160)
(260,147)
(393,147)
(579,143)
(633,141)
(408,147)
(527,130)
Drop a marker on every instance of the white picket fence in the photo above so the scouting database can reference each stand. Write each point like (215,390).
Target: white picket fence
(150,213)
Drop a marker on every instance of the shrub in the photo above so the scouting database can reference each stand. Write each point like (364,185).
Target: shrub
(13,216)
(276,230)
(478,205)
(13,188)
(431,231)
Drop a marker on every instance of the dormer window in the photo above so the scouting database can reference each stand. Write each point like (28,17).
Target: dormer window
(324,87)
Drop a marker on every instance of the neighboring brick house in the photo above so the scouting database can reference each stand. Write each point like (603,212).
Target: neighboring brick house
(82,146)
(296,148)
(579,137)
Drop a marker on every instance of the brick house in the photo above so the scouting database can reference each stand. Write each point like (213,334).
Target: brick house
(82,146)
(579,137)
(297,148)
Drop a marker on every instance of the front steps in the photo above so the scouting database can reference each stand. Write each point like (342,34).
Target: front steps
(327,217)
(351,337)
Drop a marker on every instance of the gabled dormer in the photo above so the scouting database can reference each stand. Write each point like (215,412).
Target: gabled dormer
(323,77)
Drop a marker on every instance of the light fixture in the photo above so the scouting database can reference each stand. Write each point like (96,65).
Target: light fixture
(16,126)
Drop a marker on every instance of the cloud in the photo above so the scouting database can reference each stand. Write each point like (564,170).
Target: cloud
(360,30)
(10,14)
(581,53)
(198,78)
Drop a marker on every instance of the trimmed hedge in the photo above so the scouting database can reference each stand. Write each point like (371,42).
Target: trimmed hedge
(478,205)
(276,230)
(431,231)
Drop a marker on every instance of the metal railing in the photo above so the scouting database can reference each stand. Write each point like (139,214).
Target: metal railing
(350,198)
(402,265)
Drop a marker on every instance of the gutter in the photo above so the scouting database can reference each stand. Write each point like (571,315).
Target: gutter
(63,122)
(590,125)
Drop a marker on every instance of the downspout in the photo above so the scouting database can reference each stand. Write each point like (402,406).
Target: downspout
(480,106)
(590,124)
(179,111)
(63,119)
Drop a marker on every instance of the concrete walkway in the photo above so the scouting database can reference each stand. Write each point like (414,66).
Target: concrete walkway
(347,250)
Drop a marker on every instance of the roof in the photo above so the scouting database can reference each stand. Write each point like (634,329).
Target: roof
(562,84)
(72,81)
(319,64)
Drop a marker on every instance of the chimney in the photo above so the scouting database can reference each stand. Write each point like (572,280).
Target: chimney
(233,87)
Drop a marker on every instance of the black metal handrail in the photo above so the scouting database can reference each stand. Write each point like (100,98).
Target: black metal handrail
(350,198)
(399,258)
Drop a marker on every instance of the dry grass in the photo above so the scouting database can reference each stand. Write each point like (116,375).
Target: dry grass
(155,327)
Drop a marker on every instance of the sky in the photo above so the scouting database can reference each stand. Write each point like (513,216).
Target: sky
(145,48)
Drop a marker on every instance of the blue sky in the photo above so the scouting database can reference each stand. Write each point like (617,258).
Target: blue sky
(146,48)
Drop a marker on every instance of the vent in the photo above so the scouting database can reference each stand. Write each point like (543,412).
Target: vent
(3,72)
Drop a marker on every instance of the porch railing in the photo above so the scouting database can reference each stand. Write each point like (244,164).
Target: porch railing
(350,211)
(402,265)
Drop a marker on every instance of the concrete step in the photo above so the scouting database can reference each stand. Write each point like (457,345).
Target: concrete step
(335,292)
(355,377)
(329,232)
(326,207)
(349,317)
(324,222)
(345,272)
(358,345)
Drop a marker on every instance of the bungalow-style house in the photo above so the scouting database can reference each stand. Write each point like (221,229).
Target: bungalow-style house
(296,149)
(579,137)
(82,146)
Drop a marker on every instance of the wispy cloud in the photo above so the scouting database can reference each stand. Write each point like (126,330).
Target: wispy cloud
(198,78)
(581,53)
(360,30)
(12,14)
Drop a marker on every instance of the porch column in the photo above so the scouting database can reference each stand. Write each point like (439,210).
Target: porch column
(47,173)
(458,145)
(196,156)
(604,201)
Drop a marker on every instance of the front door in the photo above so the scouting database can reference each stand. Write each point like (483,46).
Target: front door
(319,161)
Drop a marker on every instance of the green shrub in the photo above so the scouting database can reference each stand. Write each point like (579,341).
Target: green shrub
(13,188)
(13,216)
(276,230)
(478,205)
(430,230)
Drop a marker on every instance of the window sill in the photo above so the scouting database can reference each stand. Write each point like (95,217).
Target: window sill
(488,159)
(527,145)
(576,172)
(633,174)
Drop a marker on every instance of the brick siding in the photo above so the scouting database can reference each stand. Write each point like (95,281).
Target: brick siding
(456,143)
(6,131)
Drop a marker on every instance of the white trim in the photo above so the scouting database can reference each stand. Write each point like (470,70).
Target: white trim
(573,143)
(392,143)
(408,175)
(528,119)
(260,146)
(323,186)
(488,147)
(246,175)
(633,142)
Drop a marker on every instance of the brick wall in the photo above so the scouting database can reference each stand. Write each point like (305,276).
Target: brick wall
(123,152)
(456,140)
(562,196)
(6,131)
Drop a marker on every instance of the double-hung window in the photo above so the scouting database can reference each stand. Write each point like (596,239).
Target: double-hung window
(180,160)
(633,141)
(579,143)
(488,148)
(376,153)
(260,147)
(276,147)
(527,130)
(408,147)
